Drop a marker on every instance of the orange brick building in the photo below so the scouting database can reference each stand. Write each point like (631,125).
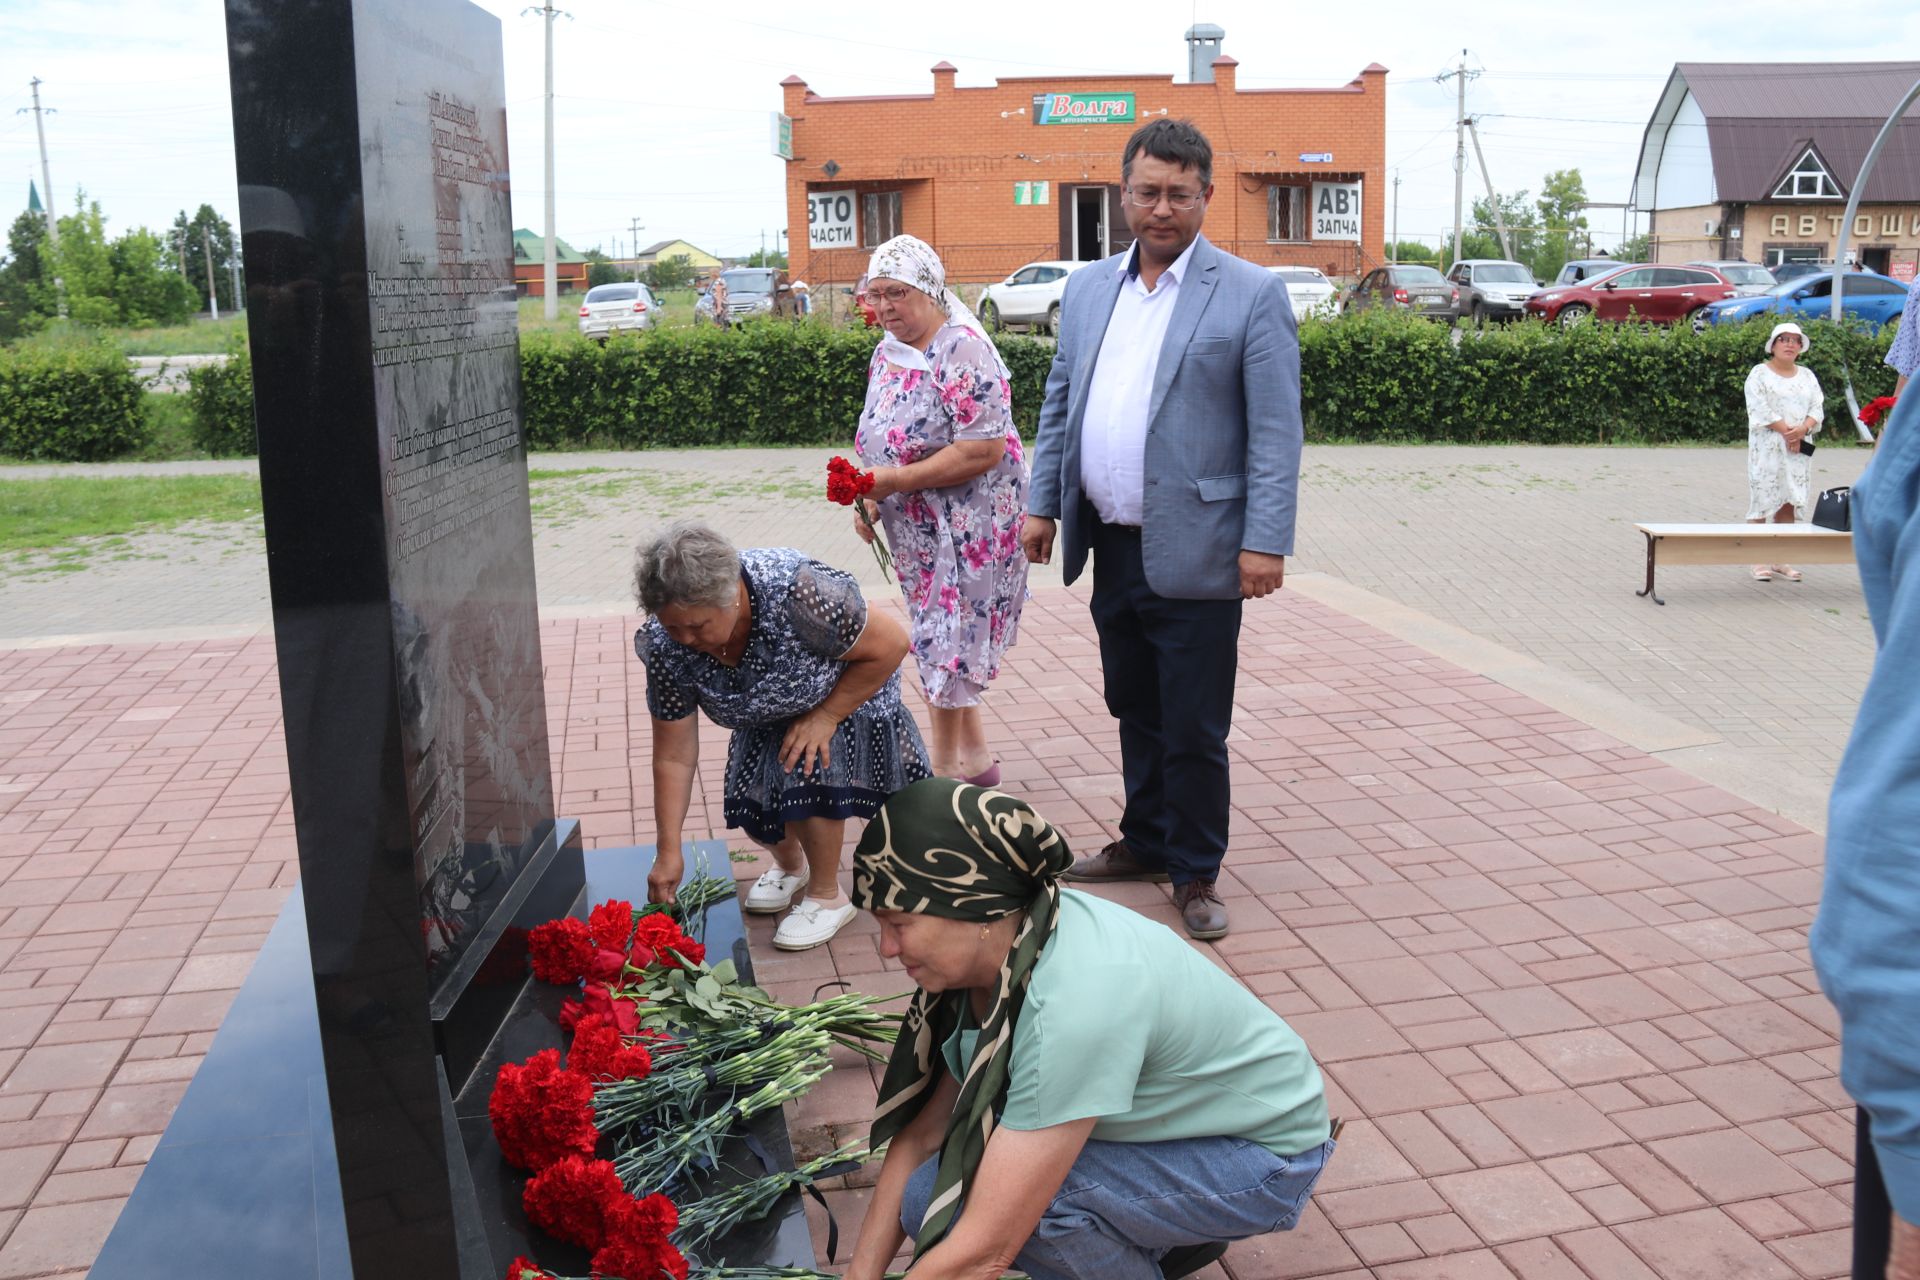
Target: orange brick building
(1029,169)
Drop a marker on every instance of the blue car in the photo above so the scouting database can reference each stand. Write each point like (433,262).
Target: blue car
(1877,299)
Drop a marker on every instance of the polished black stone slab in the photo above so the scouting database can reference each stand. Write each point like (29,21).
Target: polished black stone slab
(376,222)
(245,1181)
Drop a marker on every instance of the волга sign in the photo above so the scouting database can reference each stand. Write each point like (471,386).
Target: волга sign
(1083,108)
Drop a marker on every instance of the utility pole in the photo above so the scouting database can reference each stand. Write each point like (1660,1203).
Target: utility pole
(46,176)
(213,288)
(233,272)
(40,114)
(1459,75)
(636,228)
(550,278)
(1493,201)
(1393,254)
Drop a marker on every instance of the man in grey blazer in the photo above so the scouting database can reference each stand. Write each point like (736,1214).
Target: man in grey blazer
(1169,448)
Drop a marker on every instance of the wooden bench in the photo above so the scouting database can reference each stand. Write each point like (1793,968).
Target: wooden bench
(1741,544)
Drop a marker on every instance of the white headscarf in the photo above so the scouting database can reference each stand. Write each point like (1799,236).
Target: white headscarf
(911,260)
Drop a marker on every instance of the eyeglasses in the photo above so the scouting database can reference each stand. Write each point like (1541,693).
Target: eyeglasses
(893,297)
(1178,201)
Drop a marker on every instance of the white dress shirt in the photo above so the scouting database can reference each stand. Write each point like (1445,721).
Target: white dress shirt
(1113,434)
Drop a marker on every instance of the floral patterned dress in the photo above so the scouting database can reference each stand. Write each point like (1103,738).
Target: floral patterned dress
(1774,476)
(805,617)
(956,550)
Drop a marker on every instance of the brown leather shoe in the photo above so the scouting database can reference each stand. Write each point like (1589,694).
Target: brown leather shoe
(1115,862)
(1201,910)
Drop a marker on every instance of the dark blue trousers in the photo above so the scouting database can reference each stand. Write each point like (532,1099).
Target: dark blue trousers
(1169,668)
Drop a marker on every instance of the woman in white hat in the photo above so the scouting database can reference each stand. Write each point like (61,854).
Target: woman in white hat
(1784,407)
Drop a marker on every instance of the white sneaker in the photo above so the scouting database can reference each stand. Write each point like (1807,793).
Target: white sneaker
(773,891)
(810,924)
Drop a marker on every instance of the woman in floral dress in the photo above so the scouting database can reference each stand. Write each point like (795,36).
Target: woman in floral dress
(950,484)
(1784,407)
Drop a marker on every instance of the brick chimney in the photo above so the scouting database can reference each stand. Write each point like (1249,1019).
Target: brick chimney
(943,73)
(793,95)
(1223,71)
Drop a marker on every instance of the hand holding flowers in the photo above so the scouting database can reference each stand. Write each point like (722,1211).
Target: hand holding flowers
(851,487)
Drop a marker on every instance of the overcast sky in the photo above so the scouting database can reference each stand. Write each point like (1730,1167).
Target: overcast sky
(662,105)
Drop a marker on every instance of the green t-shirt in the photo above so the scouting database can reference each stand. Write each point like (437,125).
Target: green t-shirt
(1127,1023)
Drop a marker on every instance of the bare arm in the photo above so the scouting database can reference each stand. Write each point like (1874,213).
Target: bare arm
(1019,1176)
(874,657)
(676,758)
(957,463)
(880,1233)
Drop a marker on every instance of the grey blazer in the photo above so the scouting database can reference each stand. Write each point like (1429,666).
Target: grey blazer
(1223,435)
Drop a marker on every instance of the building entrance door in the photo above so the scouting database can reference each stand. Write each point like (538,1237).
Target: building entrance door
(1089,224)
(1878,258)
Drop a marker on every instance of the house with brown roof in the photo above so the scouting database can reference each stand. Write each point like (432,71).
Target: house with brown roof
(1756,160)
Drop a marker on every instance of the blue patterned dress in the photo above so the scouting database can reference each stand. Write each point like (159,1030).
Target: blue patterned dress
(956,550)
(805,616)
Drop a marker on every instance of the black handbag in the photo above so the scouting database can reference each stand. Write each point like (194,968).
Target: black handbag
(1834,510)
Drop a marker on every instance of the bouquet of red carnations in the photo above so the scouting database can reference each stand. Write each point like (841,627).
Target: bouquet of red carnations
(1876,409)
(848,485)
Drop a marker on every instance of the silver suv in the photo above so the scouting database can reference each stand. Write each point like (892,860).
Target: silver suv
(1492,288)
(611,308)
(1748,280)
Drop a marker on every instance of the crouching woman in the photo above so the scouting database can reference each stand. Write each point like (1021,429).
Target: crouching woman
(1076,1092)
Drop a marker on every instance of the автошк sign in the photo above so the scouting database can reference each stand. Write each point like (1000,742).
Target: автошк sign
(1083,108)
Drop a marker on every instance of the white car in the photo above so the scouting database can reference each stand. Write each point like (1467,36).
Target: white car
(613,308)
(1029,296)
(1311,293)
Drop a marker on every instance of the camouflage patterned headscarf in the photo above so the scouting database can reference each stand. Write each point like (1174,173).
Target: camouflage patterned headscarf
(941,847)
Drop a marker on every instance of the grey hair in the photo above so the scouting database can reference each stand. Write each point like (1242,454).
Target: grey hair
(686,563)
(1173,141)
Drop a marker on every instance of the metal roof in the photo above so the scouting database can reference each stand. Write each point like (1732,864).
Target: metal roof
(1762,116)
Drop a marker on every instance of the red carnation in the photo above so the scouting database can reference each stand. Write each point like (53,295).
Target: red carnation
(664,937)
(541,1112)
(570,1200)
(525,1269)
(846,482)
(570,1014)
(611,924)
(1876,409)
(600,1052)
(636,1245)
(560,950)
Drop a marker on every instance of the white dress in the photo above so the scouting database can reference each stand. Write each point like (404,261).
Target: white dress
(1774,476)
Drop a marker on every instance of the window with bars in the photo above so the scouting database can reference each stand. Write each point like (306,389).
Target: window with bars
(1807,180)
(881,220)
(1287,213)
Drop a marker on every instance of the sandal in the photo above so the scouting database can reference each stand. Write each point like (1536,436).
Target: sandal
(1788,572)
(1762,573)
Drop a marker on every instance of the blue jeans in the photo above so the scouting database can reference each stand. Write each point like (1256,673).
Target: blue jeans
(1124,1204)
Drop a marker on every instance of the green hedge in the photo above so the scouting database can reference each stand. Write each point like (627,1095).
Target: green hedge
(1373,376)
(69,401)
(222,401)
(1384,376)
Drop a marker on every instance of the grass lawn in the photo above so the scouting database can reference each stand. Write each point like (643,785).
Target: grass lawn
(53,515)
(196,338)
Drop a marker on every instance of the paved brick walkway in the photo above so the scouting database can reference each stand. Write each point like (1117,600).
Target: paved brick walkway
(1559,986)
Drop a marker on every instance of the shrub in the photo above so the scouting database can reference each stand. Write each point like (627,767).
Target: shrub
(1390,376)
(222,400)
(69,401)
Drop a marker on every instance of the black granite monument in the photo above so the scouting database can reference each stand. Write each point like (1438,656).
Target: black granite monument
(338,1126)
(371,145)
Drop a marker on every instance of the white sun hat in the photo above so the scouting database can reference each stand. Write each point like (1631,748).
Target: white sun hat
(1787,327)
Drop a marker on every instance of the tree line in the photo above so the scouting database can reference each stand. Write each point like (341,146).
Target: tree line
(137,279)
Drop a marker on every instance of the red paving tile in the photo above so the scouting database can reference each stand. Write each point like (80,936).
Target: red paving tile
(1559,989)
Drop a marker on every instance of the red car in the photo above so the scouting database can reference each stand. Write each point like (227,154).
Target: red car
(1649,294)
